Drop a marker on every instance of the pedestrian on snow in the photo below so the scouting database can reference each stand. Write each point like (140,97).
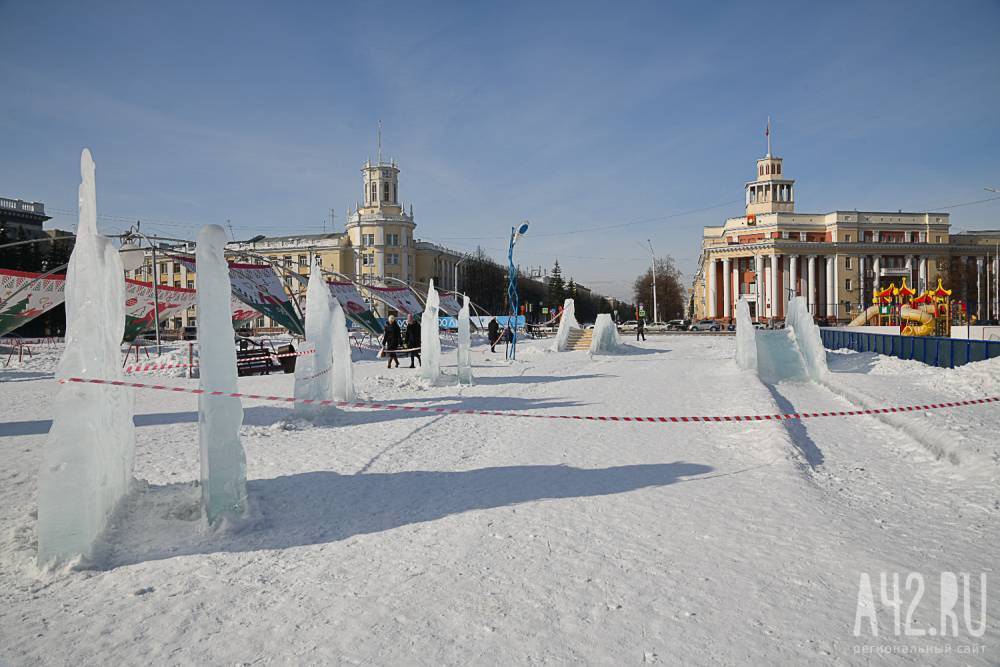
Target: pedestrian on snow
(413,339)
(391,340)
(493,331)
(640,329)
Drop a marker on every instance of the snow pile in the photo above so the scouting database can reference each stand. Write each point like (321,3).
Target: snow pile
(605,339)
(313,379)
(430,339)
(223,463)
(746,339)
(567,322)
(464,344)
(807,337)
(343,367)
(89,452)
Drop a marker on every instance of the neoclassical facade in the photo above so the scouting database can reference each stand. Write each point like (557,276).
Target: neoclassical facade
(836,259)
(378,247)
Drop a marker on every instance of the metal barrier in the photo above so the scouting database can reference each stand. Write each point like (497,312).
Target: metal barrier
(931,350)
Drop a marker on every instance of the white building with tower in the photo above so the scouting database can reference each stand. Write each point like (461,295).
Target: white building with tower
(836,260)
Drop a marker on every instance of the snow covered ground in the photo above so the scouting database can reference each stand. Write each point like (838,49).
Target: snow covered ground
(408,538)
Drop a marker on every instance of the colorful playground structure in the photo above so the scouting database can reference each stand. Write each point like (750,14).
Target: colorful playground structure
(929,314)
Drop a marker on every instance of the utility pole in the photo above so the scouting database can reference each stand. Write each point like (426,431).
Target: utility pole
(653,256)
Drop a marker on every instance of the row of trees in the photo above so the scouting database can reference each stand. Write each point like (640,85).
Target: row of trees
(669,290)
(485,281)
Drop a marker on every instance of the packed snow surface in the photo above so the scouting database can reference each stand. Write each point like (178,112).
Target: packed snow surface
(390,537)
(223,463)
(87,465)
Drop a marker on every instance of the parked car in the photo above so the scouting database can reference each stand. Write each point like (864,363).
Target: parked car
(678,325)
(628,325)
(706,325)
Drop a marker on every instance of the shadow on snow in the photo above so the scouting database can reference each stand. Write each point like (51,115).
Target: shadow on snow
(321,507)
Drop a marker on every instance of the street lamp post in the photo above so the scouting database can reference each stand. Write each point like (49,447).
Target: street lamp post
(457,264)
(515,234)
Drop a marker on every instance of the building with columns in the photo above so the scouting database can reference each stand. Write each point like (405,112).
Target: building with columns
(837,259)
(378,247)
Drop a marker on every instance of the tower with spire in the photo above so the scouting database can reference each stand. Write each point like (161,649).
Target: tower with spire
(771,191)
(379,227)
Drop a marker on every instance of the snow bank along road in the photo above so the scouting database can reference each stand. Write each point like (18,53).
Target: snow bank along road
(414,538)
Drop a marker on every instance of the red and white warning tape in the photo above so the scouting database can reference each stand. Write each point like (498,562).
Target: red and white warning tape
(152,366)
(502,413)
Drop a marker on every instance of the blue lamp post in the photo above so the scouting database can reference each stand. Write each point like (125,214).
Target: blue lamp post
(515,234)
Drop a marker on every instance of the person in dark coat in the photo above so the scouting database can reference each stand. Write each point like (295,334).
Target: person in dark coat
(391,340)
(640,329)
(493,331)
(413,338)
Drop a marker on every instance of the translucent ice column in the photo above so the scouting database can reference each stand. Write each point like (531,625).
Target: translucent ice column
(605,338)
(88,456)
(223,463)
(567,322)
(313,377)
(343,368)
(430,339)
(746,339)
(464,344)
(807,336)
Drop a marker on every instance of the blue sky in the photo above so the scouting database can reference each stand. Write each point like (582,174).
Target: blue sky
(573,115)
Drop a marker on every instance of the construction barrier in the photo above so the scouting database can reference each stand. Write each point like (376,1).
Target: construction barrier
(931,350)
(506,413)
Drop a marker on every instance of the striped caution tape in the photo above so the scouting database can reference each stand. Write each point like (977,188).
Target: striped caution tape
(503,413)
(153,366)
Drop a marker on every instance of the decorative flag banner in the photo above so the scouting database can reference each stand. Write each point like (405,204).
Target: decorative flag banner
(355,307)
(449,304)
(258,286)
(139,305)
(397,298)
(242,313)
(41,297)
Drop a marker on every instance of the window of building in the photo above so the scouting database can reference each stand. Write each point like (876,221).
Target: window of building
(177,283)
(368,259)
(779,167)
(938,239)
(392,239)
(847,262)
(260,321)
(847,238)
(802,236)
(385,192)
(190,284)
(393,259)
(163,269)
(847,284)
(303,260)
(287,260)
(177,267)
(373,196)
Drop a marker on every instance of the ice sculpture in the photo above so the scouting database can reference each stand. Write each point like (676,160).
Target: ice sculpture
(746,338)
(343,368)
(605,338)
(567,322)
(313,372)
(807,336)
(223,463)
(87,461)
(464,344)
(430,338)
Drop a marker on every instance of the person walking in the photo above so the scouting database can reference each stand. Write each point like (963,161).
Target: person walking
(493,331)
(640,329)
(413,339)
(391,340)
